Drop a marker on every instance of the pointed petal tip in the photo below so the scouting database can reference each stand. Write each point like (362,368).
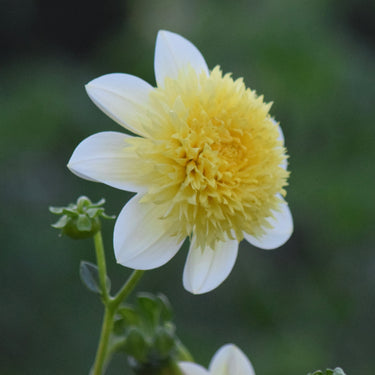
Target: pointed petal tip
(173,52)
(141,240)
(122,97)
(279,234)
(205,271)
(232,358)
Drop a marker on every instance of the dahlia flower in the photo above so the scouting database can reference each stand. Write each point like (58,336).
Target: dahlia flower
(205,159)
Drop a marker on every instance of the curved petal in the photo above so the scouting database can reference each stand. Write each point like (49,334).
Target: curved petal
(141,239)
(123,97)
(173,53)
(190,368)
(105,157)
(282,224)
(206,269)
(229,359)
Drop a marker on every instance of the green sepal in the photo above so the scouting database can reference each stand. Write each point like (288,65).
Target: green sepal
(70,211)
(89,274)
(61,222)
(84,223)
(99,203)
(56,210)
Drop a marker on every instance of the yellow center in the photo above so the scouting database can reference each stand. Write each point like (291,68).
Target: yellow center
(212,159)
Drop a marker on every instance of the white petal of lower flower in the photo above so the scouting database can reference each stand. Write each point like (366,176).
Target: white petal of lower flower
(207,269)
(103,157)
(230,360)
(173,53)
(141,239)
(123,97)
(282,224)
(189,368)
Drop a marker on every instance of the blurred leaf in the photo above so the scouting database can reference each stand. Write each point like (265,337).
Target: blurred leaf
(136,345)
(130,316)
(150,308)
(166,313)
(89,274)
(164,341)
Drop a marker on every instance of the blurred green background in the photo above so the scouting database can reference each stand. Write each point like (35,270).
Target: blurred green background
(307,305)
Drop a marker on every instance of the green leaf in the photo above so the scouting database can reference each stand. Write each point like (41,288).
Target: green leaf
(89,274)
(92,212)
(149,308)
(136,345)
(129,314)
(164,341)
(165,308)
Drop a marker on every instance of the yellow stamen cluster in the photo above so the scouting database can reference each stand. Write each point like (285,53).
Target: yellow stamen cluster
(212,159)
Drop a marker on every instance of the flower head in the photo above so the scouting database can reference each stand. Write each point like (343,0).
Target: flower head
(228,360)
(207,162)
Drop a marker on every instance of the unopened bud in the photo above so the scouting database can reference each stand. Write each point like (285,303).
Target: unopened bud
(81,219)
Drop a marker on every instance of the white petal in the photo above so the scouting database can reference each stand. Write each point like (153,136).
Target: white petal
(230,360)
(281,134)
(189,368)
(104,157)
(282,229)
(173,53)
(281,138)
(207,269)
(141,239)
(123,97)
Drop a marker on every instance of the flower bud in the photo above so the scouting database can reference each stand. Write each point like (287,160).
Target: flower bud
(81,219)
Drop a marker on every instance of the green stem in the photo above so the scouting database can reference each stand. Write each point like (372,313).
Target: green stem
(127,288)
(103,342)
(100,258)
(111,304)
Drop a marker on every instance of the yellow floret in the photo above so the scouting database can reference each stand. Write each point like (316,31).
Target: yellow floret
(212,159)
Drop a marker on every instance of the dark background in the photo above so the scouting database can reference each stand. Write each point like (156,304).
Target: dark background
(305,306)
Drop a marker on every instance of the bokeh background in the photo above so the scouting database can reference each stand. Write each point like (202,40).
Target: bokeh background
(307,305)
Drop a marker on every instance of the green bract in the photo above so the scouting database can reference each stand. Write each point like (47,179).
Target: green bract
(81,219)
